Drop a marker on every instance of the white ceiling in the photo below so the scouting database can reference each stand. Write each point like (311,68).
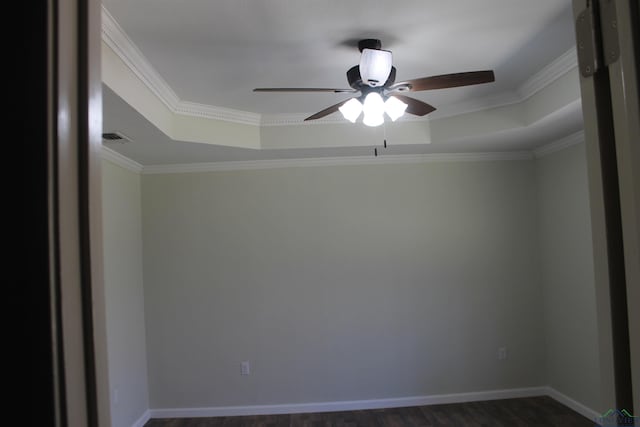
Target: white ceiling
(216,52)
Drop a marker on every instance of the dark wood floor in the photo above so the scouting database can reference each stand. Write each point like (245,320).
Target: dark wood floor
(529,412)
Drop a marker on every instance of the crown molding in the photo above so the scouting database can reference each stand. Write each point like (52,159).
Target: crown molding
(469,106)
(334,161)
(193,109)
(560,144)
(543,78)
(118,159)
(550,73)
(115,37)
(294,119)
(478,104)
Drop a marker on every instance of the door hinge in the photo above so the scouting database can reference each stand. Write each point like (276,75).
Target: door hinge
(597,36)
(586,42)
(609,25)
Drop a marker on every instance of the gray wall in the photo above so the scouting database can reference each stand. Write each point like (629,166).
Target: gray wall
(566,257)
(341,283)
(126,346)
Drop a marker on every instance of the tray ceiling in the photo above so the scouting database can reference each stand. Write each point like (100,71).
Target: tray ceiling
(215,53)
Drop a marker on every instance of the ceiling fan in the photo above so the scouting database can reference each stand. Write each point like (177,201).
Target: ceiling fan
(374,78)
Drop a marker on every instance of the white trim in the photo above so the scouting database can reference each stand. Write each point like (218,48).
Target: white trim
(463,107)
(298,119)
(550,73)
(543,78)
(468,106)
(120,160)
(561,144)
(217,113)
(226,411)
(144,418)
(335,161)
(472,105)
(573,404)
(115,37)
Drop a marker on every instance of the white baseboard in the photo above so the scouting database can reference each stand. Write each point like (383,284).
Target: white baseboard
(140,422)
(354,405)
(227,411)
(573,404)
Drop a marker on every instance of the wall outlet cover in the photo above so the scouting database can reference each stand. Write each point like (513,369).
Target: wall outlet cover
(502,353)
(245,368)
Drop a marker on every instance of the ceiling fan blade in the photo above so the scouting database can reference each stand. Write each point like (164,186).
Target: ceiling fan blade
(414,106)
(326,111)
(448,80)
(302,89)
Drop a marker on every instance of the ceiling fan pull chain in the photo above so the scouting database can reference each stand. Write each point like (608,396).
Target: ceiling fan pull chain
(384,130)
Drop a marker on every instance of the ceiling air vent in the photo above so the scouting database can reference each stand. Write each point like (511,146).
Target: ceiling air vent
(118,137)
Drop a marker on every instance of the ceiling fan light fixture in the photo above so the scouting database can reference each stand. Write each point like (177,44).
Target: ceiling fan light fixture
(351,110)
(375,66)
(394,108)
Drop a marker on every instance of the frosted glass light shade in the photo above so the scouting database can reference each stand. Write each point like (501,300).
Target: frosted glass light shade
(373,109)
(375,66)
(373,104)
(351,110)
(373,119)
(394,108)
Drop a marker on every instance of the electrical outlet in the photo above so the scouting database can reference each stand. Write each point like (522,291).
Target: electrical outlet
(502,353)
(116,395)
(245,368)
